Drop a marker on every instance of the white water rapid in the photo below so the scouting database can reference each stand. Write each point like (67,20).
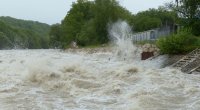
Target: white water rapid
(57,80)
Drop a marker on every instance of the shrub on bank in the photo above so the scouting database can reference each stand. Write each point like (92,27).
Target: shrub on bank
(179,43)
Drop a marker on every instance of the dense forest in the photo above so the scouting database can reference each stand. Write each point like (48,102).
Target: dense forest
(87,22)
(15,33)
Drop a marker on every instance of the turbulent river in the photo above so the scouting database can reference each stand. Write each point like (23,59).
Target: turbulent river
(57,80)
(102,79)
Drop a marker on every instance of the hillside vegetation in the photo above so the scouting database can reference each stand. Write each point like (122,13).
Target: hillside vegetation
(16,33)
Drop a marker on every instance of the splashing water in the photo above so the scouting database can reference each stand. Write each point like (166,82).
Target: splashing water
(121,35)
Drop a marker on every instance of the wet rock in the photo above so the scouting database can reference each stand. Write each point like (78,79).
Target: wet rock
(73,44)
(146,55)
(149,50)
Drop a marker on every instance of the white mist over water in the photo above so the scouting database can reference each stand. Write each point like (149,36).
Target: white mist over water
(58,80)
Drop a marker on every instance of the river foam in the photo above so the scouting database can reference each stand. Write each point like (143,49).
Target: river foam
(53,79)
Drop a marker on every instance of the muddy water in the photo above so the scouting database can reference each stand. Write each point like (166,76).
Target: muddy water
(55,80)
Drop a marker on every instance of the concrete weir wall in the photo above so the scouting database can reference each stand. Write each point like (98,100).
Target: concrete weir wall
(152,34)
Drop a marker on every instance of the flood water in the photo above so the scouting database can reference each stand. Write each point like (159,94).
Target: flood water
(57,80)
(105,79)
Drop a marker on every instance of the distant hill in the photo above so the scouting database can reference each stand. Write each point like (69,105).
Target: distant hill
(16,33)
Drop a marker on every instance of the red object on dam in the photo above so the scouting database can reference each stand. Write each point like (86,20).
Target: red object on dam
(146,55)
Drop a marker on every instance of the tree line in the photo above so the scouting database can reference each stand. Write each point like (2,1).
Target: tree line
(87,22)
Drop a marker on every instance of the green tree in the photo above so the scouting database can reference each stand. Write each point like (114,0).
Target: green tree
(188,8)
(189,13)
(153,18)
(179,43)
(107,11)
(80,13)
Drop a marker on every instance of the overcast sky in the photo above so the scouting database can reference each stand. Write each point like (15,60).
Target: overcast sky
(53,11)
